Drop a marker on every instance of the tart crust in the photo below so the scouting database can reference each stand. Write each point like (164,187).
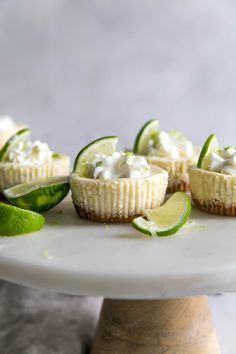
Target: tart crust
(177,170)
(213,192)
(118,200)
(12,173)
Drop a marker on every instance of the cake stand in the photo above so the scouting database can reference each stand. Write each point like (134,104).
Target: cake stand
(154,288)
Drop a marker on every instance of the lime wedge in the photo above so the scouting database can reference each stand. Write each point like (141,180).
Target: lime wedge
(15,221)
(167,219)
(210,146)
(147,132)
(13,141)
(39,195)
(105,145)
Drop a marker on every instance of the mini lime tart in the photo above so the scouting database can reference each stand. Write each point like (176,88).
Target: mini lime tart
(8,127)
(171,151)
(112,186)
(213,181)
(24,161)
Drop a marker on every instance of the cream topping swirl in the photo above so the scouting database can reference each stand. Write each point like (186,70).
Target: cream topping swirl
(118,165)
(223,161)
(172,145)
(28,152)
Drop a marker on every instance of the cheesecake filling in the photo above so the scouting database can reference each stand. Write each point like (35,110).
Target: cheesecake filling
(118,165)
(29,152)
(7,123)
(173,145)
(223,161)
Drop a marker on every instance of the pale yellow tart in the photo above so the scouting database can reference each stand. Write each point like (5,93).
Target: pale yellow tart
(213,182)
(171,151)
(15,173)
(119,199)
(178,171)
(23,161)
(213,192)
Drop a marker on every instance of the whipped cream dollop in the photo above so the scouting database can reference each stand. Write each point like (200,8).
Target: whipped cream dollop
(28,152)
(223,161)
(7,123)
(172,145)
(118,165)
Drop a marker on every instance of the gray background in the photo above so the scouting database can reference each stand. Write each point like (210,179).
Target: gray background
(75,70)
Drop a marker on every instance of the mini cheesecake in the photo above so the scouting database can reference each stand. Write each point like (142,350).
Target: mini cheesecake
(112,186)
(118,200)
(213,192)
(16,173)
(23,161)
(170,151)
(213,181)
(178,171)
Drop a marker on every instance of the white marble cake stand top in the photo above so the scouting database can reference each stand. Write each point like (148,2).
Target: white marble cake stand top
(76,256)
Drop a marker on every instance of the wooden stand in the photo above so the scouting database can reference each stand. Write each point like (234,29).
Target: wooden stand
(179,326)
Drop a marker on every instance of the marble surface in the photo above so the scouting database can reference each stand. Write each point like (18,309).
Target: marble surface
(72,259)
(80,257)
(89,67)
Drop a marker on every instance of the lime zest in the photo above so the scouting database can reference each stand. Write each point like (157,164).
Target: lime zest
(229,147)
(56,155)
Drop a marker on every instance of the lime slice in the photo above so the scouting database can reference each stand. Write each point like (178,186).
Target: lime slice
(167,219)
(105,145)
(210,146)
(13,141)
(39,195)
(147,132)
(15,221)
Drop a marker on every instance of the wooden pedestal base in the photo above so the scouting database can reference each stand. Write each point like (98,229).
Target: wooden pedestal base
(179,326)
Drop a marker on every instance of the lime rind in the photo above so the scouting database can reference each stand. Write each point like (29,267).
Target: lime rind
(14,140)
(145,226)
(149,131)
(25,188)
(105,145)
(210,146)
(15,221)
(39,196)
(165,220)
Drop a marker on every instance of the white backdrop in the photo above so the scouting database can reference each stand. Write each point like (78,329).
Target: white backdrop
(75,70)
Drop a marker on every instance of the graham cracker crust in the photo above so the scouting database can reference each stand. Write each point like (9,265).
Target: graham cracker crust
(178,187)
(214,207)
(103,218)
